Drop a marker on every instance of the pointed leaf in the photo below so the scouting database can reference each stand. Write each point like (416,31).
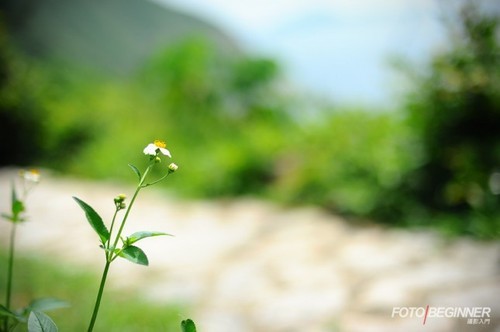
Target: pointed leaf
(142,235)
(136,171)
(4,312)
(188,326)
(94,219)
(135,255)
(47,303)
(17,205)
(13,195)
(40,322)
(7,216)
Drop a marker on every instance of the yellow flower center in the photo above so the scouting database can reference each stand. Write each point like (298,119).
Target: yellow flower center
(160,144)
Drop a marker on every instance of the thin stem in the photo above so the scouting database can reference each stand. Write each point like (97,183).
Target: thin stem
(154,182)
(10,268)
(108,252)
(99,296)
(139,187)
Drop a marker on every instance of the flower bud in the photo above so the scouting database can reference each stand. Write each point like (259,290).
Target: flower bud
(119,201)
(172,167)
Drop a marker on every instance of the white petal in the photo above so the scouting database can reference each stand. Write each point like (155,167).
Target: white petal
(150,150)
(165,152)
(32,176)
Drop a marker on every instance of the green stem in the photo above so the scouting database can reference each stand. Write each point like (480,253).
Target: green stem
(108,249)
(99,296)
(10,268)
(139,187)
(154,182)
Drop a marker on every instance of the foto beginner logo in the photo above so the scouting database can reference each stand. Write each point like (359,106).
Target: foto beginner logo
(474,315)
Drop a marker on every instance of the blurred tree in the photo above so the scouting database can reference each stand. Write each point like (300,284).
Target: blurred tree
(455,111)
(225,111)
(17,12)
(32,129)
(21,131)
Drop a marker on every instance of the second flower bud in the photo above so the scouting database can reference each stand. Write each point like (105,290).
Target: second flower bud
(120,202)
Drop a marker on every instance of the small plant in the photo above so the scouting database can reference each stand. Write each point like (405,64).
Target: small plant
(32,314)
(112,242)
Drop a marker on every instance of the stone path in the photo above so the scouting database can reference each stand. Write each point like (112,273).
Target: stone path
(247,265)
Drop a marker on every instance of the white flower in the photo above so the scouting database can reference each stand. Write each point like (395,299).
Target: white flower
(33,175)
(153,148)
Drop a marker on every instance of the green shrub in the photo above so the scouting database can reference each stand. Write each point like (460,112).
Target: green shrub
(455,113)
(347,162)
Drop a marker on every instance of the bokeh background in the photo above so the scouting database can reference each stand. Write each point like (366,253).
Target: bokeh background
(86,83)
(385,113)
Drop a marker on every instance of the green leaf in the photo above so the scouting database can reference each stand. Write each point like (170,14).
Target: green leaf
(4,312)
(40,322)
(135,255)
(17,205)
(188,326)
(142,235)
(13,194)
(94,219)
(47,303)
(7,216)
(136,171)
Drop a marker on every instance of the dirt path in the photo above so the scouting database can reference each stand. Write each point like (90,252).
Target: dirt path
(247,265)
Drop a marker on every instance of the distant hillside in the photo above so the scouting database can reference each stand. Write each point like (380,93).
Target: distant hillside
(114,36)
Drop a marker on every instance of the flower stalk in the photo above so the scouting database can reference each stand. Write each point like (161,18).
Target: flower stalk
(10,268)
(110,241)
(29,180)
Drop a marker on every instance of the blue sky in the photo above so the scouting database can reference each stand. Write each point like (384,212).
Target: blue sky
(336,49)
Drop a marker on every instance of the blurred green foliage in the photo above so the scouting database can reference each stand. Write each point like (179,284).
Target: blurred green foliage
(455,113)
(32,127)
(124,310)
(20,118)
(233,131)
(348,162)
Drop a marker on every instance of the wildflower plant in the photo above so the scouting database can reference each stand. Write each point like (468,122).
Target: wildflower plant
(33,314)
(112,242)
